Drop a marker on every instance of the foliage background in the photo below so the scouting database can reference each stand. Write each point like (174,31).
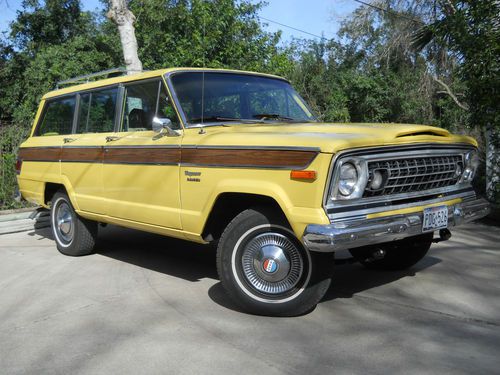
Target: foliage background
(374,71)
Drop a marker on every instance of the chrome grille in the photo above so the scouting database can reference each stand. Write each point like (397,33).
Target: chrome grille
(405,175)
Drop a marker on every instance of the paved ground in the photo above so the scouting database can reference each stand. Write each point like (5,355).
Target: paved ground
(147,304)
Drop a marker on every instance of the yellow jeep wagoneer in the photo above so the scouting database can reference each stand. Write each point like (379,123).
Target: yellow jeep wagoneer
(237,159)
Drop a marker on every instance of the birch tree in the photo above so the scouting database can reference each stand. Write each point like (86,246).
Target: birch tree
(124,20)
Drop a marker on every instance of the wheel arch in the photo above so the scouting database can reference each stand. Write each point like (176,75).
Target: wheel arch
(50,188)
(228,205)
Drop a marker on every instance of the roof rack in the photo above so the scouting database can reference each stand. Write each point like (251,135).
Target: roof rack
(114,72)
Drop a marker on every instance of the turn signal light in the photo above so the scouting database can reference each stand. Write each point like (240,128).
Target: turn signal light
(303,175)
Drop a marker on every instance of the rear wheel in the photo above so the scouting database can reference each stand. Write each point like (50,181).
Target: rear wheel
(397,255)
(74,235)
(266,270)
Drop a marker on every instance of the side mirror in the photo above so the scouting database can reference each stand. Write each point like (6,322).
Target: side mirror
(163,126)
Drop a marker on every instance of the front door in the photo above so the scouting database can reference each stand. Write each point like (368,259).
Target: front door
(141,168)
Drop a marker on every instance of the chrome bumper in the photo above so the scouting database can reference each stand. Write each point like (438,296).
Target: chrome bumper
(350,234)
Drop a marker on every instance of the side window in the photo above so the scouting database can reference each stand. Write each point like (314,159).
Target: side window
(97,111)
(58,117)
(144,101)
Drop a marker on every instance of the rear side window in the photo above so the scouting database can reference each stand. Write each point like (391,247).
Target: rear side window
(97,111)
(58,117)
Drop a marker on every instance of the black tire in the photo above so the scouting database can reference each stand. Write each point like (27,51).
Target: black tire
(289,282)
(399,255)
(74,235)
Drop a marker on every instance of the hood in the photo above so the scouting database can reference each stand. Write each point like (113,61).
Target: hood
(329,137)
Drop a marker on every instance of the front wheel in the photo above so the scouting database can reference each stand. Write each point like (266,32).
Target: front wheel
(74,235)
(266,270)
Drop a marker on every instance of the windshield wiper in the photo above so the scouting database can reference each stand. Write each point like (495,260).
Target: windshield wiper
(223,119)
(273,116)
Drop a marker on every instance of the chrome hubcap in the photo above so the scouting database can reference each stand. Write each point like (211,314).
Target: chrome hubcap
(64,222)
(272,263)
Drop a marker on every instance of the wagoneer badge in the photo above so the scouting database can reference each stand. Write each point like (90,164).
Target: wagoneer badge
(191,175)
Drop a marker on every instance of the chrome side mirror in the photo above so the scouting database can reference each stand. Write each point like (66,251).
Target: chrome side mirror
(163,126)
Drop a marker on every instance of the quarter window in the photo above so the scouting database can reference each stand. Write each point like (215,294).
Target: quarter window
(97,111)
(58,117)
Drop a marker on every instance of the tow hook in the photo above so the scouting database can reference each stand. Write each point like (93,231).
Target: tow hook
(378,254)
(444,235)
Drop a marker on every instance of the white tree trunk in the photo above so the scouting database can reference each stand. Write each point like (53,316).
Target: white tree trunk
(492,164)
(124,19)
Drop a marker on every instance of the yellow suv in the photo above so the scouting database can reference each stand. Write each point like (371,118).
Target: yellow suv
(238,159)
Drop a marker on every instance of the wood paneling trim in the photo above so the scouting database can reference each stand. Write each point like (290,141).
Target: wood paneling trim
(82,154)
(203,157)
(263,158)
(40,154)
(142,155)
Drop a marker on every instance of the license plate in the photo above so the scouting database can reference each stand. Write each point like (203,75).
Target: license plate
(435,218)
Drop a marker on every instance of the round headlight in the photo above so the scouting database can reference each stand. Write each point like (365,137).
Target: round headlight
(348,179)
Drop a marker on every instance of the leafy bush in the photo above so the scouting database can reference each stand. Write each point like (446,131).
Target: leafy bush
(11,137)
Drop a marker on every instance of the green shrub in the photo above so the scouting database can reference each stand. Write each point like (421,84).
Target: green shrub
(11,136)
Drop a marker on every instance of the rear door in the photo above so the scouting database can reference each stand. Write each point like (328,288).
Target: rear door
(82,152)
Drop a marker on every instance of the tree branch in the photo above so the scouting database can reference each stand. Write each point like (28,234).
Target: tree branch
(450,93)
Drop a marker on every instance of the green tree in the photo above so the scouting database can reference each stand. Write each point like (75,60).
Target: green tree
(471,30)
(218,33)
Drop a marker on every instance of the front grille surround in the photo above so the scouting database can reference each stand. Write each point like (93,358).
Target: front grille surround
(415,173)
(388,153)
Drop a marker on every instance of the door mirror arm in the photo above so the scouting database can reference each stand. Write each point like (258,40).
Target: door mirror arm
(163,127)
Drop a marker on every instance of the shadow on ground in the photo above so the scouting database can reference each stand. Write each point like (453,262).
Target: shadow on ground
(193,262)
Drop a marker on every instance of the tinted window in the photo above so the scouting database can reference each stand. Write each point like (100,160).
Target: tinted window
(216,97)
(58,117)
(166,109)
(140,106)
(144,101)
(97,111)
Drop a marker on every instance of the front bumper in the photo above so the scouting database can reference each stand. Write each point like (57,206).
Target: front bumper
(355,233)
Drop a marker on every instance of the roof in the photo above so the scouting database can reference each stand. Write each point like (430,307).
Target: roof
(140,76)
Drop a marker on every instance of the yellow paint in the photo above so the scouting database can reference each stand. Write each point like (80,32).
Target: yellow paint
(160,199)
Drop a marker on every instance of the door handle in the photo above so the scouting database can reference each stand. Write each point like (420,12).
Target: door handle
(68,140)
(112,138)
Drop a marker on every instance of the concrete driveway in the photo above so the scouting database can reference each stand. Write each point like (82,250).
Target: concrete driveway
(148,304)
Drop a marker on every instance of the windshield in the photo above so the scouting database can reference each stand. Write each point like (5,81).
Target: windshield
(211,97)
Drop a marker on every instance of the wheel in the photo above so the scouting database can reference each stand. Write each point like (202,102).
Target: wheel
(266,270)
(73,234)
(399,255)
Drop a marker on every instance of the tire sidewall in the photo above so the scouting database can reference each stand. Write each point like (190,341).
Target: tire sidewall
(308,293)
(58,199)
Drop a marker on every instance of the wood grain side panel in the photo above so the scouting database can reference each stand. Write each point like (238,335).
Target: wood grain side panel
(248,158)
(82,154)
(131,155)
(40,153)
(257,158)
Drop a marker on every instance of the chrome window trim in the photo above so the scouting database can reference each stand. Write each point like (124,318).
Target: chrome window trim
(389,152)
